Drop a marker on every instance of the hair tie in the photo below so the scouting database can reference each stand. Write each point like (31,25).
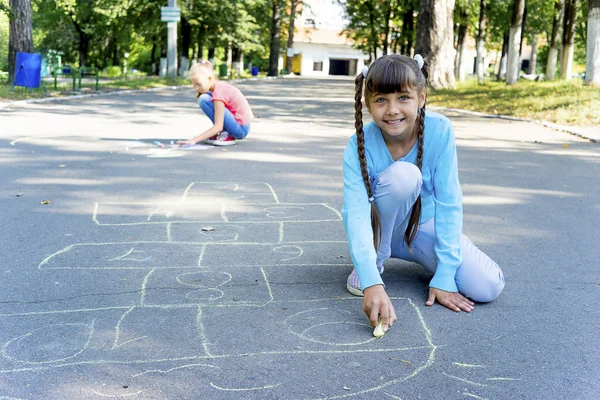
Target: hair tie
(371,199)
(364,71)
(419,59)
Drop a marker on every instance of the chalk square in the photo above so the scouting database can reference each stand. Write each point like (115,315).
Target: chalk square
(225,192)
(292,282)
(326,325)
(263,255)
(156,213)
(207,287)
(326,231)
(132,255)
(225,232)
(282,212)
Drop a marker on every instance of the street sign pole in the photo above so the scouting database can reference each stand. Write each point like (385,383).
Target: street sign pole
(172,45)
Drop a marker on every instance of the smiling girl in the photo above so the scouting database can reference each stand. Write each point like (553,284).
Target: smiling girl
(402,196)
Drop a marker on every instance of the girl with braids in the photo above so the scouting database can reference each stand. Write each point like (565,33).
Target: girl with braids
(402,196)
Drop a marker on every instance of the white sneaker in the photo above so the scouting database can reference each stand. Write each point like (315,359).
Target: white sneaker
(353,284)
(224,139)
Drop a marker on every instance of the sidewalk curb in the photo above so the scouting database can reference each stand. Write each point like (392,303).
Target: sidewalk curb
(573,130)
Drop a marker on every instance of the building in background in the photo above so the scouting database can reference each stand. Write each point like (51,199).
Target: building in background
(320,48)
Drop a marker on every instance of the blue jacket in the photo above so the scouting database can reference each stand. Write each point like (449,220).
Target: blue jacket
(441,197)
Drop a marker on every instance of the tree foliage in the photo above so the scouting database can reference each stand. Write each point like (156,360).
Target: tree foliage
(100,32)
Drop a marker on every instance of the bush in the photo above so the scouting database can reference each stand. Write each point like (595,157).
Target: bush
(112,72)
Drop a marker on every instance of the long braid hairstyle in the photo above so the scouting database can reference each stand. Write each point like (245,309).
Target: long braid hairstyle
(390,74)
(360,135)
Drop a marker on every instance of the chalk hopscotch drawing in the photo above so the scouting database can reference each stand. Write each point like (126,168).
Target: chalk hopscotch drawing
(179,305)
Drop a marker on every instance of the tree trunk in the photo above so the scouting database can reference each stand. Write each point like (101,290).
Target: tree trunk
(460,50)
(374,34)
(115,55)
(533,60)
(388,23)
(186,38)
(502,65)
(523,25)
(275,37)
(290,43)
(200,38)
(568,39)
(84,44)
(514,42)
(592,71)
(153,68)
(20,36)
(480,43)
(408,29)
(435,40)
(553,52)
(106,52)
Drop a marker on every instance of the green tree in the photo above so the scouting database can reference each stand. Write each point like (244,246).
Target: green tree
(499,12)
(480,41)
(365,24)
(568,39)
(465,22)
(539,22)
(514,42)
(592,74)
(553,39)
(20,36)
(3,36)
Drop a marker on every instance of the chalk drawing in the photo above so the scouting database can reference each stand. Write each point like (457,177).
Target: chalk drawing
(118,331)
(117,395)
(173,369)
(188,315)
(24,342)
(243,389)
(125,256)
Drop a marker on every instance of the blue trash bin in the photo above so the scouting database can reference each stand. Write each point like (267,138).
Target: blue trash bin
(254,71)
(27,70)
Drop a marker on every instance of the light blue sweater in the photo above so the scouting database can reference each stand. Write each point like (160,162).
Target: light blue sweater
(441,197)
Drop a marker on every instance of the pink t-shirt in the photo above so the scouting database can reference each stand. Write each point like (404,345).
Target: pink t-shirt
(234,101)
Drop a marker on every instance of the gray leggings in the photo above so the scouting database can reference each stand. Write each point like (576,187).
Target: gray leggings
(396,190)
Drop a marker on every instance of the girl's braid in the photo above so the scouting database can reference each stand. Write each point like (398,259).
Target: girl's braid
(360,136)
(415,215)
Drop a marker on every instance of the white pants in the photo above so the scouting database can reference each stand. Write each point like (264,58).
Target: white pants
(396,190)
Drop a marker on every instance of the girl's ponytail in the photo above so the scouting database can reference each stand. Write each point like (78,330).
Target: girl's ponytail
(360,136)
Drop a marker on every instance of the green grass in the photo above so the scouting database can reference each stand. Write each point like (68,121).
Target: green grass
(565,103)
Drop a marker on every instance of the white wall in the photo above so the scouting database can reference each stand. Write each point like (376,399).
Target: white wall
(322,53)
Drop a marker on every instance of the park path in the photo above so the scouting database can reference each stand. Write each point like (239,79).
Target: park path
(219,273)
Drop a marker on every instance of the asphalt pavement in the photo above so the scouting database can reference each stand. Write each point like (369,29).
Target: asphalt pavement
(143,271)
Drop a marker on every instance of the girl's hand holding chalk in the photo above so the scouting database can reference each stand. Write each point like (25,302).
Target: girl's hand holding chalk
(378,332)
